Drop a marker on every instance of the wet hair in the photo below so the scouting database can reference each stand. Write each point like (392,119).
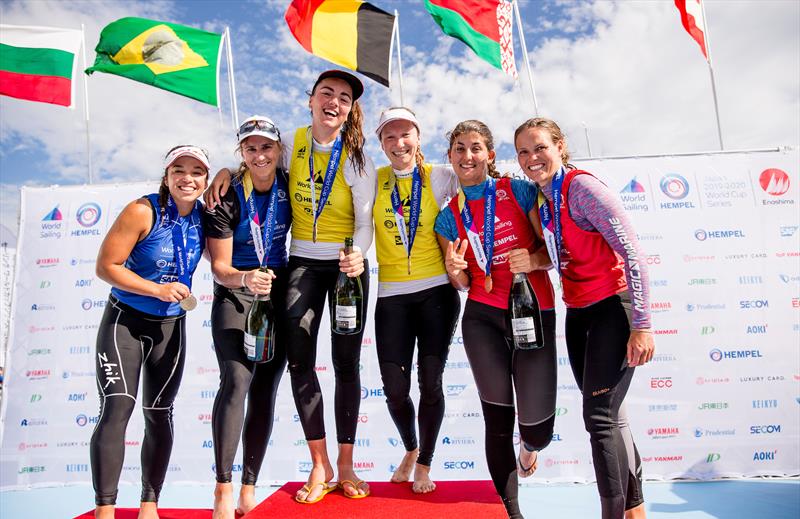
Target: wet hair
(550,127)
(473,125)
(353,135)
(163,189)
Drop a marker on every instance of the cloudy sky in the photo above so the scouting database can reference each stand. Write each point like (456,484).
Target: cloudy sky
(626,70)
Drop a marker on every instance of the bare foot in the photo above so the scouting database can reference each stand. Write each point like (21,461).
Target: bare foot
(223,501)
(526,462)
(637,512)
(247,499)
(422,481)
(148,510)
(346,473)
(319,474)
(403,472)
(104,512)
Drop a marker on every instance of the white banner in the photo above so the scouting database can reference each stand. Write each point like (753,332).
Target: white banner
(719,399)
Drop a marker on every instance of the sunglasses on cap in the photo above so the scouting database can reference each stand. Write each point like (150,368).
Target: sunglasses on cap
(255,125)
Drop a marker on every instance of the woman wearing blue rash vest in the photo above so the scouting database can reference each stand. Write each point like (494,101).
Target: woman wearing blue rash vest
(148,257)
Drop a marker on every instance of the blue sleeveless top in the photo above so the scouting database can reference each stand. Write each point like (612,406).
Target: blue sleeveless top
(244,252)
(153,259)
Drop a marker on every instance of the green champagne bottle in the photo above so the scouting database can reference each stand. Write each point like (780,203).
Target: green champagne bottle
(347,298)
(524,315)
(259,331)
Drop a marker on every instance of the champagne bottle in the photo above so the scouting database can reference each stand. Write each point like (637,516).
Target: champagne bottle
(524,314)
(259,330)
(347,298)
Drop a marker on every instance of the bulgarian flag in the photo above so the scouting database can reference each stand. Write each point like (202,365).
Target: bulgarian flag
(351,33)
(484,25)
(165,55)
(37,63)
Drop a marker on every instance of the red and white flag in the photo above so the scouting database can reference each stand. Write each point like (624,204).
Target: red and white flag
(692,19)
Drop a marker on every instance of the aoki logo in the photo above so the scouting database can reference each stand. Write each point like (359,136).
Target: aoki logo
(88,214)
(674,186)
(774,181)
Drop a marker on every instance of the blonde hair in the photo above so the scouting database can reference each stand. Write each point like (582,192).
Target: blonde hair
(552,128)
(473,125)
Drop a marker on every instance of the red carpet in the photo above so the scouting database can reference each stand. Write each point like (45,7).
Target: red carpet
(163,513)
(451,499)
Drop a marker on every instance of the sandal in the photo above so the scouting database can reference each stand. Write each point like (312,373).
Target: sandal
(327,488)
(357,485)
(523,471)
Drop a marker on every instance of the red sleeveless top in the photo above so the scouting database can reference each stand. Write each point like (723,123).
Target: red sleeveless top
(512,230)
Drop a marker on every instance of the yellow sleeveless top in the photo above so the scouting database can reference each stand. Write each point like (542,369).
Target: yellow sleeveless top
(337,220)
(426,256)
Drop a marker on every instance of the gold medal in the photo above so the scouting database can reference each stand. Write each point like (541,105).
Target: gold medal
(409,265)
(189,303)
(314,233)
(487,284)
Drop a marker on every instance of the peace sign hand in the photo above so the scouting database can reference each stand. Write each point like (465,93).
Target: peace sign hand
(454,261)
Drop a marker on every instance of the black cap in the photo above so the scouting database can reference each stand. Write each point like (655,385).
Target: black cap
(354,82)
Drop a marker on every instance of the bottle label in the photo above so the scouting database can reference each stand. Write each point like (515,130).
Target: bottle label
(523,329)
(250,345)
(346,317)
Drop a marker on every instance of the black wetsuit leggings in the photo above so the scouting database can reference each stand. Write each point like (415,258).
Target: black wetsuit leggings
(240,378)
(428,318)
(311,283)
(501,373)
(597,338)
(130,342)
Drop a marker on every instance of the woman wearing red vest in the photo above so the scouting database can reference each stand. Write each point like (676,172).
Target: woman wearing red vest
(605,285)
(502,373)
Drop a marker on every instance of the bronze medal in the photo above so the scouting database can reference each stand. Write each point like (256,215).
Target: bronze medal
(189,303)
(487,284)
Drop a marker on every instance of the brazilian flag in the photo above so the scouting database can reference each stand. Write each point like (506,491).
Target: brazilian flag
(169,56)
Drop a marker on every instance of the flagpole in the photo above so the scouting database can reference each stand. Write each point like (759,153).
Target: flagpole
(525,57)
(86,105)
(396,31)
(232,81)
(711,72)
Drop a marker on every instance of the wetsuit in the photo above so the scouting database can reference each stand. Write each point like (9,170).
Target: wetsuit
(419,307)
(142,336)
(239,377)
(502,372)
(313,270)
(605,283)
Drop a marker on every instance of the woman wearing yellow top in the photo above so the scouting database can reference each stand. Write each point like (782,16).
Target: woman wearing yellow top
(416,302)
(332,190)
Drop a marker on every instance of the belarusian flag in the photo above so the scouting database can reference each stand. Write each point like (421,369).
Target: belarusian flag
(36,63)
(169,56)
(484,25)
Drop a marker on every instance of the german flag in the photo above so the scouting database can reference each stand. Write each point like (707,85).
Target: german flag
(350,33)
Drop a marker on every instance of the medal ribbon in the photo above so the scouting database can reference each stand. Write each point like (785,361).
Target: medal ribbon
(485,251)
(551,221)
(262,234)
(327,183)
(182,244)
(407,237)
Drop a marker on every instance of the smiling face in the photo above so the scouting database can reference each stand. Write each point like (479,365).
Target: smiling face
(538,156)
(186,179)
(400,141)
(261,155)
(470,157)
(330,103)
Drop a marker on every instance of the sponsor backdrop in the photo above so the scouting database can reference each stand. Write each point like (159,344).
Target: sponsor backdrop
(719,399)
